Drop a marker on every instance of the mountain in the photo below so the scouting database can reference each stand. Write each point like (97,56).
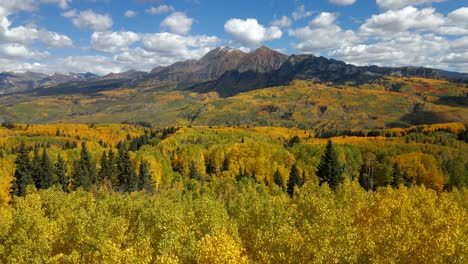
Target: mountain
(14,82)
(11,82)
(131,74)
(306,67)
(217,62)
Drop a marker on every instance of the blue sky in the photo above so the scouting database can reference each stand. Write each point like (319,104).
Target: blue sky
(103,36)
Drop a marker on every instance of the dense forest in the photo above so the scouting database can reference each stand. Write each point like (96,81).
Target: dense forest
(132,193)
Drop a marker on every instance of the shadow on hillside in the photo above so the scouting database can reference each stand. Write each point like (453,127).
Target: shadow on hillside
(429,117)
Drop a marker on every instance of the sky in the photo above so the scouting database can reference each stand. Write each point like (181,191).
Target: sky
(103,36)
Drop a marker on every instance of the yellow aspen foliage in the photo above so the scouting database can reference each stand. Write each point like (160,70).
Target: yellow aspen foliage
(421,169)
(219,249)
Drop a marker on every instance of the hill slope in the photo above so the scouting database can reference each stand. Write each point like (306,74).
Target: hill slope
(303,103)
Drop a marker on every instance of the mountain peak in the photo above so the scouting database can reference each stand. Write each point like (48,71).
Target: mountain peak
(265,50)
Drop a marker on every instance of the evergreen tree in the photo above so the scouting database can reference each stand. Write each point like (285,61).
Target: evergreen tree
(225,165)
(396,176)
(61,173)
(112,168)
(84,170)
(294,180)
(193,172)
(210,166)
(22,176)
(104,170)
(329,169)
(278,179)
(36,168)
(144,181)
(46,175)
(127,180)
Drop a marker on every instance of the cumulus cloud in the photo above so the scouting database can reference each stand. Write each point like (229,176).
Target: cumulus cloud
(284,21)
(419,50)
(322,34)
(113,41)
(169,44)
(249,32)
(177,23)
(54,40)
(90,19)
(342,2)
(11,6)
(300,13)
(130,13)
(397,4)
(18,51)
(159,10)
(404,19)
(28,34)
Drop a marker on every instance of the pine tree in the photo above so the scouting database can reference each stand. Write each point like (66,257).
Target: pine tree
(36,170)
(61,173)
(278,179)
(225,165)
(294,180)
(22,176)
(329,169)
(210,166)
(84,170)
(193,172)
(102,174)
(112,168)
(46,176)
(145,182)
(396,176)
(127,180)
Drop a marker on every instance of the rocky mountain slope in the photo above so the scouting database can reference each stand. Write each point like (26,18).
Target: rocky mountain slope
(227,71)
(11,82)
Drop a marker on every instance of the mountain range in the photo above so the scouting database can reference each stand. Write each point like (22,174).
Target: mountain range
(227,71)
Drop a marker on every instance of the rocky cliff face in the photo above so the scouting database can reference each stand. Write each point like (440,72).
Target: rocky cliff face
(219,61)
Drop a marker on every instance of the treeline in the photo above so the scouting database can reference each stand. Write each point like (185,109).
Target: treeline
(116,172)
(208,154)
(417,134)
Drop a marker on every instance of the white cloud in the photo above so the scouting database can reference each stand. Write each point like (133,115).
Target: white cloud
(26,35)
(167,44)
(457,61)
(284,22)
(397,4)
(249,32)
(63,4)
(322,34)
(54,40)
(400,50)
(300,13)
(394,21)
(177,23)
(90,19)
(130,13)
(11,6)
(70,13)
(159,10)
(460,44)
(18,51)
(100,65)
(158,49)
(342,2)
(113,41)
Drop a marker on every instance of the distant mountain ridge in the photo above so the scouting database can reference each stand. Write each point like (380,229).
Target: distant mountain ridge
(228,71)
(16,82)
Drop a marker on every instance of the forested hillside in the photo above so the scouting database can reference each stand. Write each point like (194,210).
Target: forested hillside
(245,194)
(383,103)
